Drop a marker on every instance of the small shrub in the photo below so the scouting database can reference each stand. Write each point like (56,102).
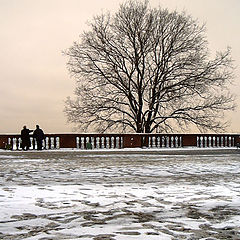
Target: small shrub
(8,146)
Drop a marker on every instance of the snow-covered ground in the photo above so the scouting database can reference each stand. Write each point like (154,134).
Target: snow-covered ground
(100,196)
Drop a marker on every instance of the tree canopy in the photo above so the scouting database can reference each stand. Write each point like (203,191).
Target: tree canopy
(146,70)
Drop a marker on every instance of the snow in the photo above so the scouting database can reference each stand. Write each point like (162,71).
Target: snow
(75,194)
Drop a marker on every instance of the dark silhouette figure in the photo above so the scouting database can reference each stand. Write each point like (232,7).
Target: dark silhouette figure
(26,143)
(38,134)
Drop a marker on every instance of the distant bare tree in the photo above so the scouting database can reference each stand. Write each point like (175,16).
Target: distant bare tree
(147,70)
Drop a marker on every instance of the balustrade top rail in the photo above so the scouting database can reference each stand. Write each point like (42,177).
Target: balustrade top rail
(131,140)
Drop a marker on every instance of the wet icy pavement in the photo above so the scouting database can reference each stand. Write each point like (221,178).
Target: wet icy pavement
(70,195)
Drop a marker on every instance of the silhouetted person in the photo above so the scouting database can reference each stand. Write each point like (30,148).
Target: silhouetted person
(26,143)
(38,134)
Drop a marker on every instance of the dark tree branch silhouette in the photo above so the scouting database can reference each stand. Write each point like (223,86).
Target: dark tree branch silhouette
(148,70)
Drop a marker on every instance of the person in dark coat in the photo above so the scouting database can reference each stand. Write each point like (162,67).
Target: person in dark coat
(38,134)
(25,137)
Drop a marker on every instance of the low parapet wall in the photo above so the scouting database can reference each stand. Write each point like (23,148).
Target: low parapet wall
(118,141)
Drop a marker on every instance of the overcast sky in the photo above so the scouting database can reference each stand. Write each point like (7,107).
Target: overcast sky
(33,33)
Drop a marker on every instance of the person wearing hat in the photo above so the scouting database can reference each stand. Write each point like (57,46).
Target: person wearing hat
(25,137)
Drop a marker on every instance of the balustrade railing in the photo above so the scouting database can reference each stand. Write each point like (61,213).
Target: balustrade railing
(14,142)
(117,141)
(99,142)
(216,141)
(161,141)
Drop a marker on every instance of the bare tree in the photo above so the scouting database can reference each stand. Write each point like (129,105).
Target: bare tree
(147,69)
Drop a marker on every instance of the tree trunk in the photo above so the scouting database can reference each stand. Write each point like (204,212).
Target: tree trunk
(148,128)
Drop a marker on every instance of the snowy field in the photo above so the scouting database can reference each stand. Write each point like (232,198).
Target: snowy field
(119,195)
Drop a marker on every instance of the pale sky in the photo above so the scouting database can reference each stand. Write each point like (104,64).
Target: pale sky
(33,33)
